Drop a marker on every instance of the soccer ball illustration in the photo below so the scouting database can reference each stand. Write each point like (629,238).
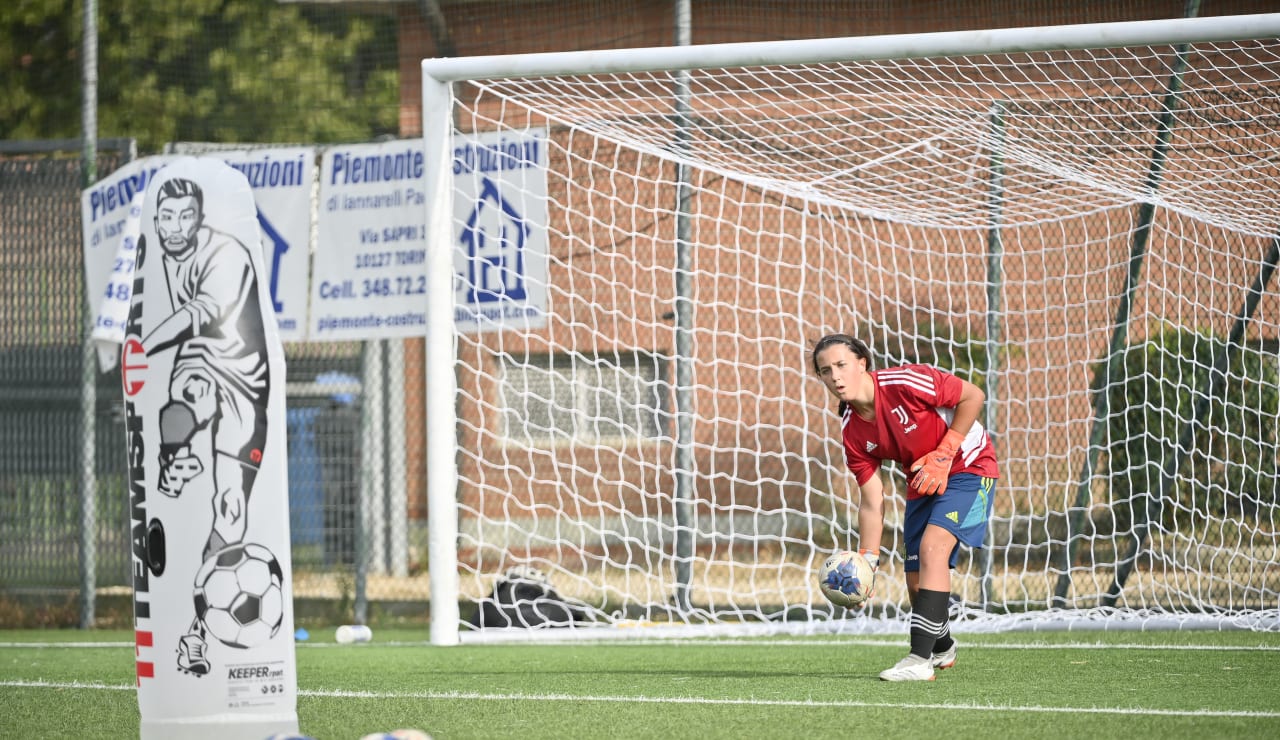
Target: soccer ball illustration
(846,579)
(239,595)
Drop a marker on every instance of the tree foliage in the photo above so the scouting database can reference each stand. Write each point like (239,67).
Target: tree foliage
(1229,397)
(252,71)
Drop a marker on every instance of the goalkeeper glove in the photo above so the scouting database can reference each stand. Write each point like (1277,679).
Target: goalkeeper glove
(933,470)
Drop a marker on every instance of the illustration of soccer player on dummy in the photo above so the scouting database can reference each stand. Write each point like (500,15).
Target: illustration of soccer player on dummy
(220,378)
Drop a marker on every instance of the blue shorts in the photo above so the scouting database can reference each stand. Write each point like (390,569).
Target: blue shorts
(963,510)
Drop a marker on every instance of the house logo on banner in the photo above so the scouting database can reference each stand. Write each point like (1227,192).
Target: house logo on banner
(500,189)
(495,239)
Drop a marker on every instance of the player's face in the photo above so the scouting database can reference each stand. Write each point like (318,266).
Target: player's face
(841,371)
(177,220)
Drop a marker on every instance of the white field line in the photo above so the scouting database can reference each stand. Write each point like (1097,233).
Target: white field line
(745,642)
(703,701)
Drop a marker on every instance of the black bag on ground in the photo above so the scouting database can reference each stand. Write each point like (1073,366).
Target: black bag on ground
(524,597)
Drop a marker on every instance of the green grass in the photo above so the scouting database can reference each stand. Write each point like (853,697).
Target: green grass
(1053,685)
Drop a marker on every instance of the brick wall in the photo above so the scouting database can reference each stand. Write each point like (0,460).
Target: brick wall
(1059,298)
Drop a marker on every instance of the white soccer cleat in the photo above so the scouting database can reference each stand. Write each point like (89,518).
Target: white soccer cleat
(910,668)
(945,659)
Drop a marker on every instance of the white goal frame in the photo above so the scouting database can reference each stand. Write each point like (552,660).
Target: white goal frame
(438,76)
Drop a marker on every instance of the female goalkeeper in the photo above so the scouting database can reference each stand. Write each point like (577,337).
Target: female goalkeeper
(927,420)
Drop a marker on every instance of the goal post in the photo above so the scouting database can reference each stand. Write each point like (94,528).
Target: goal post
(631,252)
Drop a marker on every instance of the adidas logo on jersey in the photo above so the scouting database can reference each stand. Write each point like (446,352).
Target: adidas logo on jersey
(871,446)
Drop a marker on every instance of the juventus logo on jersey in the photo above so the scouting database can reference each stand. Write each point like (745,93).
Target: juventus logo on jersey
(901,413)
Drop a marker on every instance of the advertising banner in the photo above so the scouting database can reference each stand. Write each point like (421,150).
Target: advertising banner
(500,230)
(369,275)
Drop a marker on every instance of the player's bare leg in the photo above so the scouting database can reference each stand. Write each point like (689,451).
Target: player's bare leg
(230,503)
(239,433)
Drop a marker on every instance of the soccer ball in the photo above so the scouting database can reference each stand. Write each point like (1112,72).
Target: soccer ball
(846,579)
(402,734)
(239,595)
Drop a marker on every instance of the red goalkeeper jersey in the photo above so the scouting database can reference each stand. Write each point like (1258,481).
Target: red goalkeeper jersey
(914,405)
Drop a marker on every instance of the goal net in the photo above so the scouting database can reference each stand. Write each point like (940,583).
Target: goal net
(1088,234)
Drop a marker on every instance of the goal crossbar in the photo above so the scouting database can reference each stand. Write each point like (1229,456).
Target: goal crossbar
(856,48)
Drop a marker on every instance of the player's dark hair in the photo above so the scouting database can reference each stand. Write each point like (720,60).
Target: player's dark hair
(181,187)
(855,345)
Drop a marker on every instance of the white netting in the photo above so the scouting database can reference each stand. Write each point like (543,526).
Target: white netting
(981,213)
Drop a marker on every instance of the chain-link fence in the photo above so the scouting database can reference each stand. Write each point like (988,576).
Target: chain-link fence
(59,420)
(64,531)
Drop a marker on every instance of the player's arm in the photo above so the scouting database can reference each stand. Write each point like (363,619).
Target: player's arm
(871,519)
(178,327)
(933,470)
(968,408)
